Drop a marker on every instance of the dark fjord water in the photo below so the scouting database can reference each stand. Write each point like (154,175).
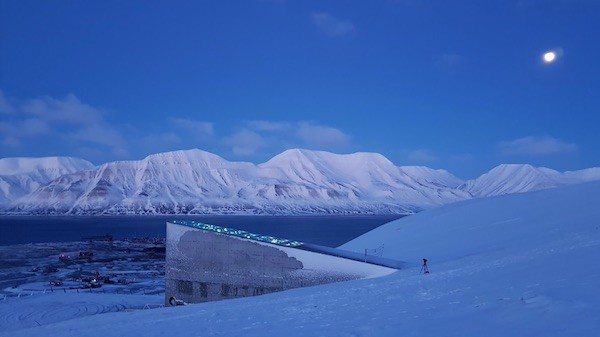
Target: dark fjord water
(331,230)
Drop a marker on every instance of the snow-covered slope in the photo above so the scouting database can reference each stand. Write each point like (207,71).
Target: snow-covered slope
(590,174)
(512,178)
(195,181)
(352,179)
(518,178)
(21,176)
(440,178)
(160,183)
(498,224)
(513,265)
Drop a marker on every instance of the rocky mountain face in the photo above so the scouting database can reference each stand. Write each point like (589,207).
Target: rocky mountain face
(293,182)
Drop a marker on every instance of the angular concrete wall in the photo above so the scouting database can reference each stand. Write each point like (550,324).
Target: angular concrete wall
(204,265)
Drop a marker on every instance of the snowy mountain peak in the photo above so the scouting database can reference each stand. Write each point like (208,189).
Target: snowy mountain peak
(186,156)
(60,165)
(439,177)
(513,178)
(355,169)
(290,156)
(305,156)
(512,168)
(21,176)
(584,175)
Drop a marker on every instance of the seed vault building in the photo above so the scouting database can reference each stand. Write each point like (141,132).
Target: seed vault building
(207,263)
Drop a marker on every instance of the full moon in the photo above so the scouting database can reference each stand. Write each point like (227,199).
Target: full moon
(550,57)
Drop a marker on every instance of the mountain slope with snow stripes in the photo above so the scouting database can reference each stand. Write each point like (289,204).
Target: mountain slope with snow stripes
(294,182)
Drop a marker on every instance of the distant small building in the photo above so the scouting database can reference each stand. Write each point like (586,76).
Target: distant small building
(208,263)
(64,257)
(86,254)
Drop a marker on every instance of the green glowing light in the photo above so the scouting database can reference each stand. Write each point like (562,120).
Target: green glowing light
(239,233)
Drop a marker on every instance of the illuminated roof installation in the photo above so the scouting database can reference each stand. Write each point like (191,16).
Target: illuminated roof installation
(240,233)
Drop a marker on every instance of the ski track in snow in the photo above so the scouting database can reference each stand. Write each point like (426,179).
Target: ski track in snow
(42,309)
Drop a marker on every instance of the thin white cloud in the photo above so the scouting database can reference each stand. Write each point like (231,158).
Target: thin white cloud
(321,137)
(67,118)
(449,62)
(175,133)
(245,142)
(537,146)
(5,106)
(170,138)
(268,126)
(160,142)
(10,142)
(199,129)
(462,158)
(33,127)
(68,110)
(4,127)
(277,136)
(97,134)
(421,156)
(28,127)
(330,25)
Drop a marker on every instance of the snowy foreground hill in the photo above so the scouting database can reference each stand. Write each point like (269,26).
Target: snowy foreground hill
(514,265)
(293,182)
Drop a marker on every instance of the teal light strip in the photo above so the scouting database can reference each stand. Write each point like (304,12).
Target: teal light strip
(239,233)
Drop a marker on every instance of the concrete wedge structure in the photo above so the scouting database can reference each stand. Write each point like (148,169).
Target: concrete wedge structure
(208,263)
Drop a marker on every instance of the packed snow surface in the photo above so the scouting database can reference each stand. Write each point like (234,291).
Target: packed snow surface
(514,265)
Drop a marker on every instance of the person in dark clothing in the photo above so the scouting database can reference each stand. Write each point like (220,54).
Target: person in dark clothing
(424,268)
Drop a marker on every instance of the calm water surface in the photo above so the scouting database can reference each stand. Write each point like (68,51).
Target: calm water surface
(330,230)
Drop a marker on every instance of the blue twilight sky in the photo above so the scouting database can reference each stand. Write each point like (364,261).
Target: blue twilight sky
(459,85)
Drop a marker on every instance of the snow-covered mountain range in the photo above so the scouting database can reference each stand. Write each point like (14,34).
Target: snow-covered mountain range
(295,181)
(21,176)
